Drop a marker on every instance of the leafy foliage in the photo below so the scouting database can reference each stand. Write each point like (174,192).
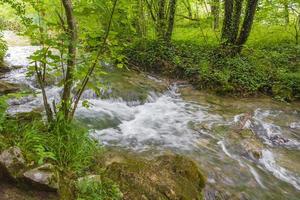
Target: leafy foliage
(3,48)
(100,189)
(72,147)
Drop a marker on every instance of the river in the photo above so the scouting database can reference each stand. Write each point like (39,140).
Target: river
(247,147)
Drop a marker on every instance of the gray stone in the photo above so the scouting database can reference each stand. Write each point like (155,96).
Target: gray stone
(12,163)
(43,177)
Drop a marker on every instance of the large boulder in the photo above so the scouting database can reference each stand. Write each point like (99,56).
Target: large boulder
(12,163)
(6,88)
(165,177)
(42,177)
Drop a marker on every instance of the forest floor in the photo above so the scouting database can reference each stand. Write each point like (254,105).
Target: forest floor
(11,192)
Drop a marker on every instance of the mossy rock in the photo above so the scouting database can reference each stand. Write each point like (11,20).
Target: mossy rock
(29,116)
(6,88)
(12,163)
(165,177)
(245,143)
(4,68)
(129,85)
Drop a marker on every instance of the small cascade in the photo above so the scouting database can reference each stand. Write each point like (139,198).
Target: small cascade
(166,121)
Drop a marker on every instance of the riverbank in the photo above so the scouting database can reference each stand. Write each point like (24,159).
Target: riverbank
(271,70)
(139,118)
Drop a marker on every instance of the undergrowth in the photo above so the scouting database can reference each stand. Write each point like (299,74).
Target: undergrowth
(272,70)
(65,145)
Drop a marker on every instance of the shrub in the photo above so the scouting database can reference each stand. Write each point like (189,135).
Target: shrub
(72,147)
(97,189)
(3,49)
(287,87)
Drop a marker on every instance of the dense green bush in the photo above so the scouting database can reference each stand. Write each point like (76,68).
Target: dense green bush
(237,75)
(178,59)
(97,189)
(269,69)
(3,48)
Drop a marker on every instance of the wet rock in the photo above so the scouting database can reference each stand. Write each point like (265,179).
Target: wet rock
(212,193)
(245,143)
(130,86)
(12,163)
(253,149)
(278,140)
(6,88)
(4,68)
(295,125)
(166,177)
(36,114)
(43,177)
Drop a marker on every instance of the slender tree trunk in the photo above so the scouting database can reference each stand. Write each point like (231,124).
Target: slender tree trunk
(71,60)
(286,13)
(227,21)
(297,29)
(236,17)
(172,11)
(233,39)
(41,71)
(215,11)
(86,79)
(141,19)
(150,9)
(161,20)
(188,6)
(41,82)
(247,24)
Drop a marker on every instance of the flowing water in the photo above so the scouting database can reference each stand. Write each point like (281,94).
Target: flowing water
(223,135)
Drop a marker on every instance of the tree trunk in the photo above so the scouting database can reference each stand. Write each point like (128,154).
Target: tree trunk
(187,4)
(236,18)
(161,20)
(247,24)
(227,21)
(172,11)
(141,19)
(233,39)
(71,61)
(286,13)
(215,11)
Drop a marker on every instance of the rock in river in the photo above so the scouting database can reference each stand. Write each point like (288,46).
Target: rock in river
(165,177)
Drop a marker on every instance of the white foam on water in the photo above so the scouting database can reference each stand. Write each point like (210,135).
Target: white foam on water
(295,125)
(162,122)
(224,149)
(222,144)
(256,176)
(268,161)
(270,131)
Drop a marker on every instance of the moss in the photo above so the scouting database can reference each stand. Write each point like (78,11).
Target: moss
(128,85)
(165,177)
(6,88)
(11,192)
